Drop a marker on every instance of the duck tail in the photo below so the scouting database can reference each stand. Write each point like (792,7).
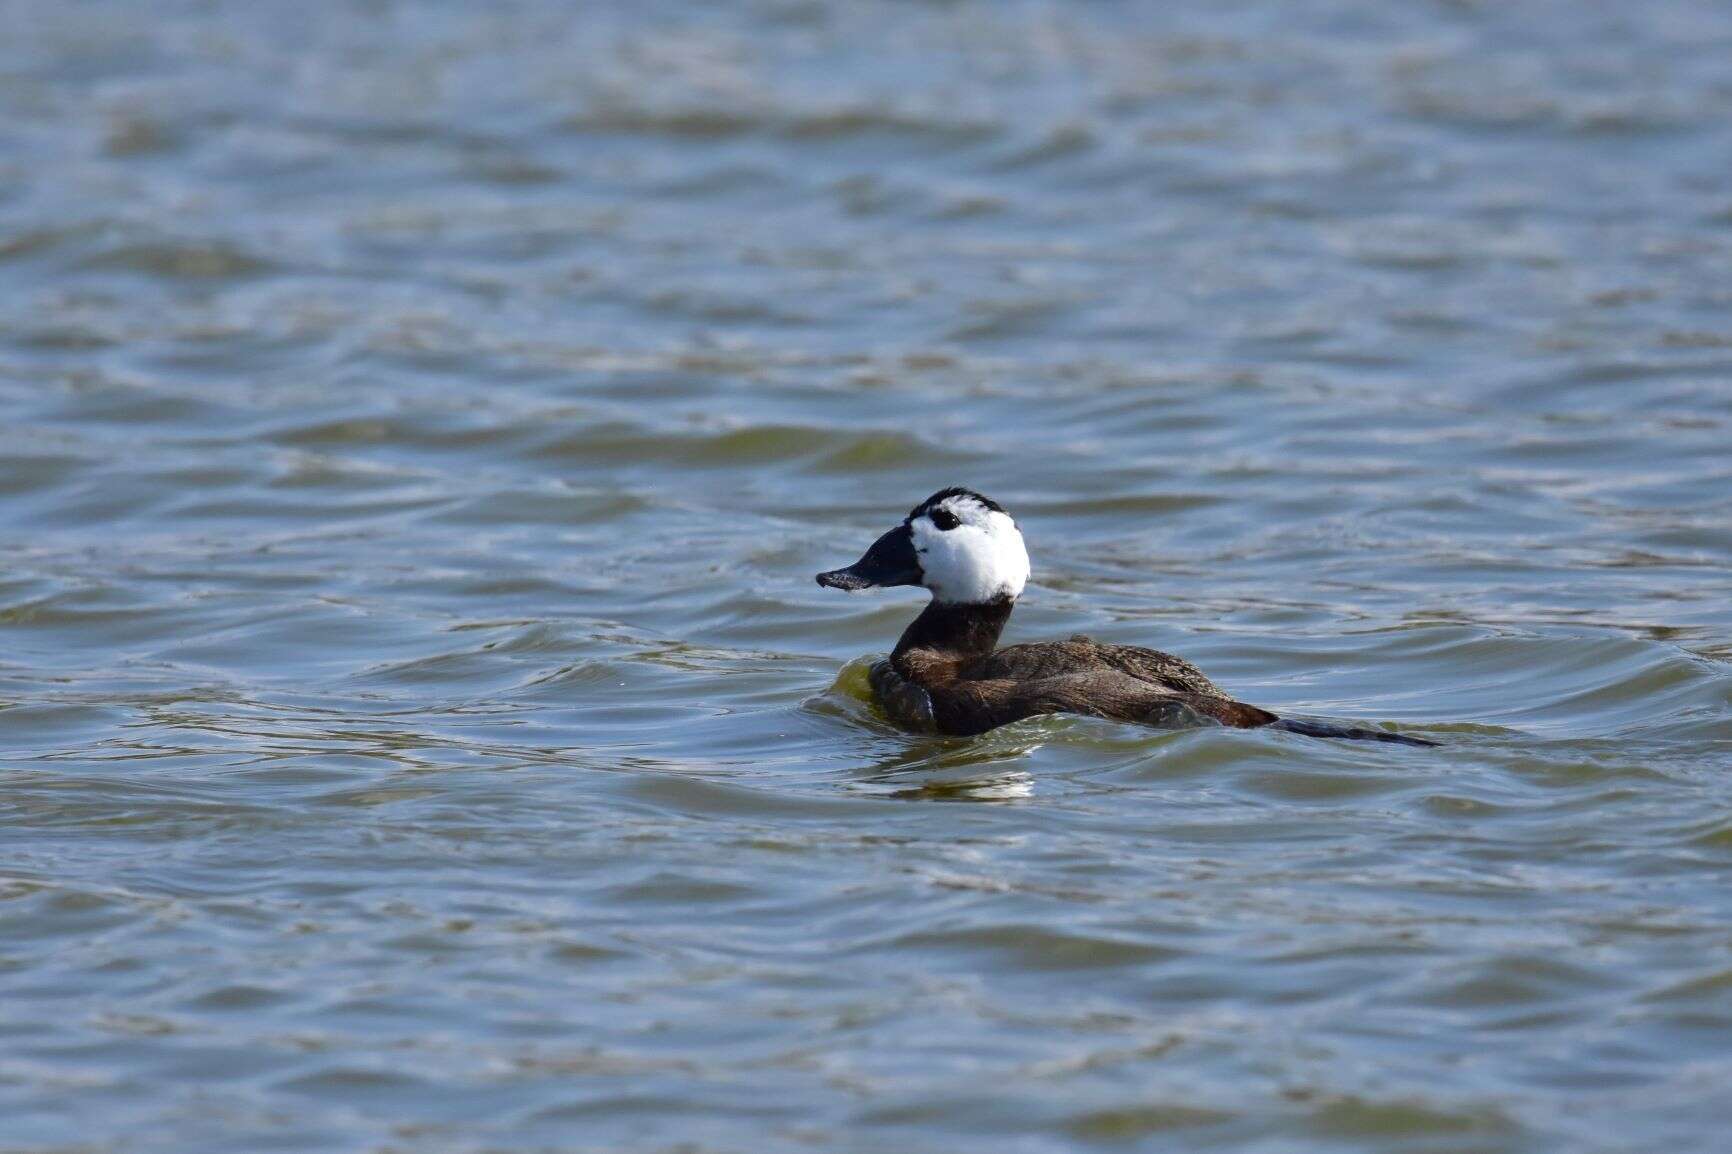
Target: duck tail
(1348,732)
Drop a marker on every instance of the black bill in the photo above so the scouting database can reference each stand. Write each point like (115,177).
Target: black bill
(890,561)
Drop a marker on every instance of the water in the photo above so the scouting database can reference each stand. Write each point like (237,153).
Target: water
(422,425)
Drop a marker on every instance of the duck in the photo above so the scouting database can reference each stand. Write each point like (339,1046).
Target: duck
(948,675)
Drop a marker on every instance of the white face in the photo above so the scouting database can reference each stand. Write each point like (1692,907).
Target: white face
(979,559)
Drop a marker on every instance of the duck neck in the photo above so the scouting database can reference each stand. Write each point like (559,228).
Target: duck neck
(955,631)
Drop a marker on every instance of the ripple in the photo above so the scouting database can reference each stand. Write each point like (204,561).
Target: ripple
(820,449)
(1132,1123)
(422,427)
(1369,1118)
(1036,948)
(840,123)
(182,260)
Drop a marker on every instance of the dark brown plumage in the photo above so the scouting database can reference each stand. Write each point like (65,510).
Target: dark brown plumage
(946,676)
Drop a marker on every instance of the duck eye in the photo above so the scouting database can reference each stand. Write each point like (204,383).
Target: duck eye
(945,519)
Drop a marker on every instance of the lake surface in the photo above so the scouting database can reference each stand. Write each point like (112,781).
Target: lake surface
(421,730)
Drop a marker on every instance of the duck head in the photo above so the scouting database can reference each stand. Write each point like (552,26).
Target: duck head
(957,543)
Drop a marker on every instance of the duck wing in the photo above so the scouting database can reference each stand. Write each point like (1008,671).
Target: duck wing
(972,705)
(1081,655)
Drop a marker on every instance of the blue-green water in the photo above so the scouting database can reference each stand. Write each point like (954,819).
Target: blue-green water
(422,422)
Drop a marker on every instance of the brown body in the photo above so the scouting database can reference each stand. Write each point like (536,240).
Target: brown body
(947,675)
